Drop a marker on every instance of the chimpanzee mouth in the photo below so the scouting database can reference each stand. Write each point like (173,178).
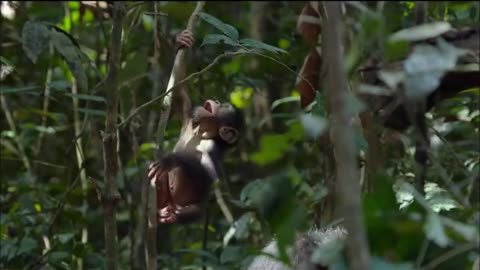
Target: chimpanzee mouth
(208,107)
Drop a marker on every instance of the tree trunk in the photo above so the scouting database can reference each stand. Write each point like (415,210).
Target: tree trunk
(110,195)
(348,193)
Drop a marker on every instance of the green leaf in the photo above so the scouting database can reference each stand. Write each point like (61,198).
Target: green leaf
(218,39)
(72,55)
(5,90)
(421,32)
(242,226)
(87,97)
(73,5)
(35,39)
(284,43)
(231,254)
(396,50)
(403,194)
(280,101)
(391,78)
(227,29)
(435,230)
(65,237)
(438,198)
(355,105)
(426,66)
(58,256)
(380,264)
(241,97)
(313,125)
(5,61)
(201,253)
(3,232)
(8,249)
(318,106)
(468,232)
(47,130)
(60,85)
(272,148)
(252,43)
(135,67)
(92,112)
(360,142)
(328,252)
(27,245)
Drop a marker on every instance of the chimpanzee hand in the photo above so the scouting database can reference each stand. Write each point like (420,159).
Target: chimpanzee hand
(153,171)
(168,214)
(184,40)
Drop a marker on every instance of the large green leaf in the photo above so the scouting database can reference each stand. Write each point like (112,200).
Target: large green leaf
(421,32)
(232,254)
(60,85)
(328,252)
(65,237)
(16,90)
(27,245)
(313,125)
(435,230)
(35,39)
(227,29)
(70,52)
(467,231)
(256,44)
(92,112)
(396,50)
(58,256)
(426,66)
(218,39)
(272,148)
(438,198)
(88,97)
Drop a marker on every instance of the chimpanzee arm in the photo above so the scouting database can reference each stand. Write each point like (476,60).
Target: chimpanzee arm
(183,104)
(189,213)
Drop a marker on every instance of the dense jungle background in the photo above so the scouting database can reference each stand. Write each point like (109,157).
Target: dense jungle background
(359,114)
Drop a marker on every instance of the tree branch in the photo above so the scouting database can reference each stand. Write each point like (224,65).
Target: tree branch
(178,66)
(170,89)
(348,193)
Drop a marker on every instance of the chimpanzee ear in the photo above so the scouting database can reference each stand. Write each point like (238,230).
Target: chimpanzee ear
(228,134)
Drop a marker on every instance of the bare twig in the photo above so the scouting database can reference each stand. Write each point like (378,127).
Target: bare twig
(221,202)
(422,253)
(205,69)
(450,149)
(38,162)
(189,77)
(11,124)
(46,99)
(282,64)
(80,159)
(450,254)
(61,204)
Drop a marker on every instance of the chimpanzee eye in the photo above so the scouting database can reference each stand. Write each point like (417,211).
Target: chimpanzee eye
(195,123)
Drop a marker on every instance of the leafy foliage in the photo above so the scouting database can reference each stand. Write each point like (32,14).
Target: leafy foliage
(280,176)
